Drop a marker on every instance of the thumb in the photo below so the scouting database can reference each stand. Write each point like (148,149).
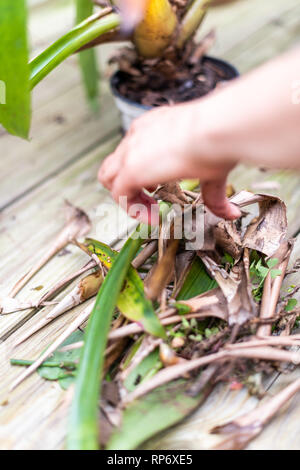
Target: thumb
(214,197)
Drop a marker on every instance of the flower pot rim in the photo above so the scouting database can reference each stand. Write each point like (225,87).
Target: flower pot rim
(115,79)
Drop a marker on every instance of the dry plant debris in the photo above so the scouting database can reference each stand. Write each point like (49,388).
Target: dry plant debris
(184,320)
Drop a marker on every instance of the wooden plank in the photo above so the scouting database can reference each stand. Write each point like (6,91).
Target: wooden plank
(237,23)
(35,416)
(47,21)
(277,36)
(63,130)
(224,405)
(284,184)
(40,215)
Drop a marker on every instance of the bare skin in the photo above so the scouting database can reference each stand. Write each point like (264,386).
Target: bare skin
(253,120)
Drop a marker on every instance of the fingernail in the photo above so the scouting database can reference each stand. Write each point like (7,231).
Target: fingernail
(235,212)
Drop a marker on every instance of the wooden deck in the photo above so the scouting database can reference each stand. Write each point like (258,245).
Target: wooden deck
(60,162)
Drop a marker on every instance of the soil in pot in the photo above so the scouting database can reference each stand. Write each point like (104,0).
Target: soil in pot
(170,80)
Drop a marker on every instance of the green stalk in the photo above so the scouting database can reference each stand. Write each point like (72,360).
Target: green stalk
(83,426)
(87,59)
(79,36)
(189,185)
(192,20)
(61,364)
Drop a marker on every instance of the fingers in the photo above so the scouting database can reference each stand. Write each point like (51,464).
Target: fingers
(126,186)
(214,196)
(139,205)
(144,208)
(132,13)
(110,169)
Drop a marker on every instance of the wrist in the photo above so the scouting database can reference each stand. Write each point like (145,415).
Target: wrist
(213,142)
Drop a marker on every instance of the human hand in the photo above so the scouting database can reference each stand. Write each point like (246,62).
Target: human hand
(167,144)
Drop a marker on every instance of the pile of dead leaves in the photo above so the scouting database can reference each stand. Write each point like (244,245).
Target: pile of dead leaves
(185,319)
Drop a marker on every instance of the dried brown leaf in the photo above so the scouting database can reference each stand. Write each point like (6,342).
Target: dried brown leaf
(213,303)
(171,192)
(173,372)
(203,47)
(183,263)
(269,230)
(145,254)
(228,238)
(85,289)
(245,428)
(236,288)
(272,288)
(162,273)
(77,224)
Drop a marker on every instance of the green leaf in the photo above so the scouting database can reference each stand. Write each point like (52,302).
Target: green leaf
(258,272)
(61,366)
(290,305)
(88,58)
(272,262)
(144,370)
(83,424)
(65,46)
(64,378)
(160,409)
(262,271)
(197,281)
(211,331)
(275,273)
(228,259)
(196,337)
(132,301)
(182,309)
(189,185)
(55,373)
(185,323)
(15,108)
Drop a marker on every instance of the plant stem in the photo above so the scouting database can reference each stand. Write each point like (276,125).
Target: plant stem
(85,289)
(83,426)
(88,59)
(80,35)
(192,20)
(173,372)
(81,318)
(62,364)
(271,294)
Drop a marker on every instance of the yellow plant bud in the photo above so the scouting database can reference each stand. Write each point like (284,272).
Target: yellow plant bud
(155,31)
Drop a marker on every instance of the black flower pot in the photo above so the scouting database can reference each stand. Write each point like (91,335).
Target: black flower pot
(130,110)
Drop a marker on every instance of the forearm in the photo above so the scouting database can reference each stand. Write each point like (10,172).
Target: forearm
(255,119)
(251,120)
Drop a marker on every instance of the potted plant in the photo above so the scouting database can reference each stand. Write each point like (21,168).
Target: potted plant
(164,66)
(169,66)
